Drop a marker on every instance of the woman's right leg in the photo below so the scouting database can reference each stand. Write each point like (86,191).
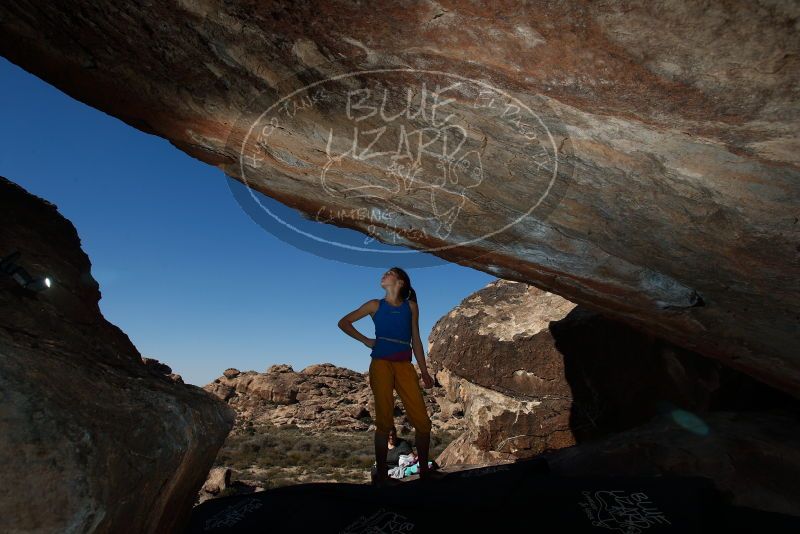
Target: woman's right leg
(381,381)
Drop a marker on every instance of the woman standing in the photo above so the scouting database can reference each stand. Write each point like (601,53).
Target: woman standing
(396,318)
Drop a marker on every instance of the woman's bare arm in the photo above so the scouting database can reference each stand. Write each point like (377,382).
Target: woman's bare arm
(415,340)
(346,322)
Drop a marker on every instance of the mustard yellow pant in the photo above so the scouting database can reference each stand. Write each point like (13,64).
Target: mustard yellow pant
(385,376)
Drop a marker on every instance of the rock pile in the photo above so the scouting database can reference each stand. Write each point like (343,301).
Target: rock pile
(320,397)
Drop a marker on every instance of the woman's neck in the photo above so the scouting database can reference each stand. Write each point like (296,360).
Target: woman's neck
(392,301)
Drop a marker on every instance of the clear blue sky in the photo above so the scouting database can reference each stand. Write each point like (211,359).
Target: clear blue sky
(191,279)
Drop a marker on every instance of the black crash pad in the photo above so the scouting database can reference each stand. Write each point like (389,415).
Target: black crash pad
(518,497)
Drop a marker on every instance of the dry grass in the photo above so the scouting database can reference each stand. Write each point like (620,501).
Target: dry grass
(273,456)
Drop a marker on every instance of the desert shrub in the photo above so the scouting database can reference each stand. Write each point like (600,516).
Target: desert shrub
(303,445)
(272,450)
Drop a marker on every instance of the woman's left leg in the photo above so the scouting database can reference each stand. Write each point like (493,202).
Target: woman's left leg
(406,382)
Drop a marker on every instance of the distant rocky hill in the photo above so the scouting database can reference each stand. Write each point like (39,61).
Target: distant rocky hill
(319,397)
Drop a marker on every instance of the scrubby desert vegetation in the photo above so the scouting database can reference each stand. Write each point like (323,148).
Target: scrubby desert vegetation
(271,456)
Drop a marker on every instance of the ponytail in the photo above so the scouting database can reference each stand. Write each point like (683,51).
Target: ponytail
(408,292)
(412,295)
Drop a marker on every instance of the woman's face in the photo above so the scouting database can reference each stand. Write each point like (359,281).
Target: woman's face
(392,438)
(390,279)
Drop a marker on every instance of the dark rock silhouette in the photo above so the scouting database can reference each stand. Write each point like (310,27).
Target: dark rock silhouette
(751,456)
(498,498)
(94,438)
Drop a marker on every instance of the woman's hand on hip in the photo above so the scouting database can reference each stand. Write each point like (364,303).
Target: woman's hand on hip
(369,342)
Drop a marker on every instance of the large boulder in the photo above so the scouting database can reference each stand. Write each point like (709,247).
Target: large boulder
(92,438)
(640,158)
(533,372)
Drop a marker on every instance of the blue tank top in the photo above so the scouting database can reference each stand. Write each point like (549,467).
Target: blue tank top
(392,332)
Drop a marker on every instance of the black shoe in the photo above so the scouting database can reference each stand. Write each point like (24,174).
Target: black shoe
(385,482)
(431,474)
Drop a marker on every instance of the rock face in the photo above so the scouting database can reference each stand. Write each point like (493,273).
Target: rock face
(751,456)
(94,438)
(639,158)
(319,397)
(532,372)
